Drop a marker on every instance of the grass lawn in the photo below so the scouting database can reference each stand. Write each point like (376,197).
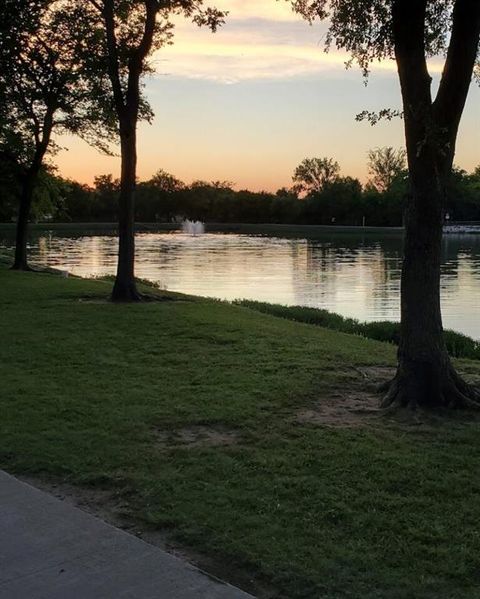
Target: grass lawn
(247,438)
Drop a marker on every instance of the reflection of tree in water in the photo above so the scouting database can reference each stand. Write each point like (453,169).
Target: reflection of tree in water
(350,273)
(460,282)
(459,251)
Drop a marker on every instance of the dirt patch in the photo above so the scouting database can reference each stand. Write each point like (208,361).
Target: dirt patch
(346,410)
(376,375)
(198,436)
(358,405)
(109,505)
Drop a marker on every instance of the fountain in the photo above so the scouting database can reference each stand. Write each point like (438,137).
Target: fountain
(193,227)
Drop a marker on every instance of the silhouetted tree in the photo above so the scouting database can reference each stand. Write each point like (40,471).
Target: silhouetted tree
(165,182)
(159,198)
(314,173)
(42,91)
(338,202)
(124,35)
(385,165)
(463,196)
(106,194)
(411,31)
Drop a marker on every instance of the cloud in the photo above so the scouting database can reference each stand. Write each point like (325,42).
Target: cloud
(275,10)
(261,39)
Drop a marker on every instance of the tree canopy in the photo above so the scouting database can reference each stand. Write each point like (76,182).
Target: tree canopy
(385,165)
(44,89)
(313,174)
(42,85)
(364,28)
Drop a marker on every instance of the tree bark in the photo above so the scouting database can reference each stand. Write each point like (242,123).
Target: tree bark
(425,375)
(26,196)
(125,289)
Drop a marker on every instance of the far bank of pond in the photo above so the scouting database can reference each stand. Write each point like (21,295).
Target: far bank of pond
(246,228)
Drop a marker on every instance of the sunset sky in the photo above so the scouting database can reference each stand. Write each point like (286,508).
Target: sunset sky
(248,103)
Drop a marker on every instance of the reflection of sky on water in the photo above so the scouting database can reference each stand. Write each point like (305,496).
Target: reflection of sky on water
(354,275)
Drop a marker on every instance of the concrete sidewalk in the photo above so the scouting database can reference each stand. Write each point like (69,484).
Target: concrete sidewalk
(52,550)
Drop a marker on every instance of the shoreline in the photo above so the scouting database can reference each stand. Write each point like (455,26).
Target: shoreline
(244,228)
(210,227)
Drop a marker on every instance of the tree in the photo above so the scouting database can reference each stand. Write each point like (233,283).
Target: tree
(463,196)
(124,35)
(339,202)
(385,165)
(158,198)
(42,91)
(314,173)
(411,31)
(107,192)
(164,181)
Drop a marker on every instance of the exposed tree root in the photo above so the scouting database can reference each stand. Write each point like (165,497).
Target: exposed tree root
(23,266)
(125,293)
(445,389)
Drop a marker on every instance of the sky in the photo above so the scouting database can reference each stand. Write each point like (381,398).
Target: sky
(250,102)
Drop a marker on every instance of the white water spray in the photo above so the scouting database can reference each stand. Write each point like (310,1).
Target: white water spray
(193,227)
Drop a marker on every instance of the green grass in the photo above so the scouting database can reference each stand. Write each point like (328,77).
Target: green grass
(92,393)
(459,345)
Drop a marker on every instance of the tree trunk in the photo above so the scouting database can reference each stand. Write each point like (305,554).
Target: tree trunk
(125,289)
(425,375)
(26,196)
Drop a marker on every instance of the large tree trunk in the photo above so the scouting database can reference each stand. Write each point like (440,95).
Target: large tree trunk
(125,289)
(425,375)
(26,196)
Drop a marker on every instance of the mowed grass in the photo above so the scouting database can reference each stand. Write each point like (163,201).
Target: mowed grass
(99,395)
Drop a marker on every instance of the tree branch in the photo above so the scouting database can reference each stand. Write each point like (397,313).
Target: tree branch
(141,52)
(409,21)
(112,58)
(151,9)
(459,64)
(409,40)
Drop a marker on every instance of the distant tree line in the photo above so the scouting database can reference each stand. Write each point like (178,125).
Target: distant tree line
(319,195)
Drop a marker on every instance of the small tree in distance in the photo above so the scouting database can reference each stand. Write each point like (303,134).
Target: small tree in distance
(385,165)
(165,181)
(314,174)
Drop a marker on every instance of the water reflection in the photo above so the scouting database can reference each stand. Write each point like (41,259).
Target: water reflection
(354,275)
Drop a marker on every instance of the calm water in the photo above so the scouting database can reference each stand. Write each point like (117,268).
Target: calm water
(352,274)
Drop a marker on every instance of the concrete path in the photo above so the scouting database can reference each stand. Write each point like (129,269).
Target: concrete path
(52,550)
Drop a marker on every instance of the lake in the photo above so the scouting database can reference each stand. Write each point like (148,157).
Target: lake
(354,274)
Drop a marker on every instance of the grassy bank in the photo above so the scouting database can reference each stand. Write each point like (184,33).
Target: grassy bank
(459,345)
(250,439)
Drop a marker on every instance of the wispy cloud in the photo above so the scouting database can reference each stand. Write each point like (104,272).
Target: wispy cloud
(262,39)
(276,10)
